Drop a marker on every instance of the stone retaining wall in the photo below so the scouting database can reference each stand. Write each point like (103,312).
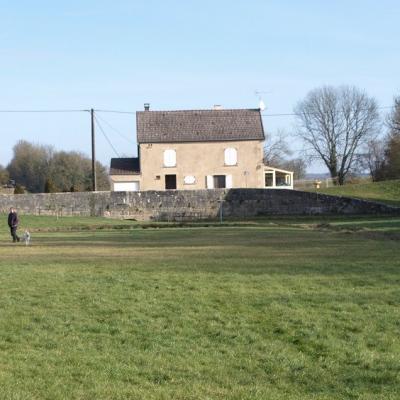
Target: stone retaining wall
(190,205)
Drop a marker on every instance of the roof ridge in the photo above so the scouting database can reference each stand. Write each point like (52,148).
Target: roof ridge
(200,110)
(123,158)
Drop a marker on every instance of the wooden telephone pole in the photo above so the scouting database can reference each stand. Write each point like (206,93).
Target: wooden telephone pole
(94,178)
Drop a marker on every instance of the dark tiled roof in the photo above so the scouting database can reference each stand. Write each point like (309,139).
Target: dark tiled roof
(199,126)
(124,166)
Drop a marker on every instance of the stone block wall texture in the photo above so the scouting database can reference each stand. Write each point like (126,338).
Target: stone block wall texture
(6,190)
(189,205)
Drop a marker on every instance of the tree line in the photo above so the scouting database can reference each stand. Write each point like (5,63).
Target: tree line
(343,128)
(40,168)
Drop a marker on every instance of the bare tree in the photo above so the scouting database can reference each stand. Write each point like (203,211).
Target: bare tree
(393,119)
(334,123)
(276,149)
(374,160)
(277,153)
(392,152)
(297,165)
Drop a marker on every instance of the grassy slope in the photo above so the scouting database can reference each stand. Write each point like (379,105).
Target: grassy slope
(270,311)
(386,192)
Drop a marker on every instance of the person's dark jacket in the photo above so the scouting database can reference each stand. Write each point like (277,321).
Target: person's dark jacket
(12,220)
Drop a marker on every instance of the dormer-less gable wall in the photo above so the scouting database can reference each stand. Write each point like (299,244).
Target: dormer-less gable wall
(201,165)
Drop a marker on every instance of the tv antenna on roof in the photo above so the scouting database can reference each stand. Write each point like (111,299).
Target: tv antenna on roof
(261,104)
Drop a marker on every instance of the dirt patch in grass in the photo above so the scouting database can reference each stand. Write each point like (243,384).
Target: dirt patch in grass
(358,230)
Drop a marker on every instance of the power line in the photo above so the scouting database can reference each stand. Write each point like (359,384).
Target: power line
(117,111)
(280,115)
(297,114)
(106,137)
(134,112)
(116,130)
(224,116)
(66,111)
(42,111)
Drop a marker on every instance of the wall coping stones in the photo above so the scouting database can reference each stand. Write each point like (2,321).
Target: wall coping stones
(181,205)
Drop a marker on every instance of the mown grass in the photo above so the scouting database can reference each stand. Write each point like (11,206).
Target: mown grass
(385,192)
(277,309)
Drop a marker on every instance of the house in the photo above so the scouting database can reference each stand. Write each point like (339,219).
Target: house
(198,149)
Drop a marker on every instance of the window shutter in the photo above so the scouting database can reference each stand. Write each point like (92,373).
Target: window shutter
(169,158)
(230,156)
(210,182)
(229,182)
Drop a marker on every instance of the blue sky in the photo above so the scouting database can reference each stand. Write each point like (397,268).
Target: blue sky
(182,55)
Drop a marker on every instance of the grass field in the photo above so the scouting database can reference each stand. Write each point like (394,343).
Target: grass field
(385,192)
(270,309)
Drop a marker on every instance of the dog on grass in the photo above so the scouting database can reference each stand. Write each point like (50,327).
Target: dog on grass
(26,237)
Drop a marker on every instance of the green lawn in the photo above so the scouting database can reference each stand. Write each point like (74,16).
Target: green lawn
(272,309)
(386,192)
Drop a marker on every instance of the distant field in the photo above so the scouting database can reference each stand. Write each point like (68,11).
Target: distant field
(289,308)
(386,192)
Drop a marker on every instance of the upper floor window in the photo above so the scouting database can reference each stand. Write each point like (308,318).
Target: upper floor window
(170,158)
(230,156)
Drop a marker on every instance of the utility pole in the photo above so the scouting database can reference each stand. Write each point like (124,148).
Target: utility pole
(94,179)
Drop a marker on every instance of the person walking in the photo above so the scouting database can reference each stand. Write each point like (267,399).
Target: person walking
(13,224)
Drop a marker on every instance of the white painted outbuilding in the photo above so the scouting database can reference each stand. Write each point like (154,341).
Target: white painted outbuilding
(276,178)
(126,186)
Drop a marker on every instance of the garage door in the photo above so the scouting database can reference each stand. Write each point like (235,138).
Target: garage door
(126,186)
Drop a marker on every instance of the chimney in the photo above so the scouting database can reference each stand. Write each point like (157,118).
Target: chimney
(146,106)
(217,107)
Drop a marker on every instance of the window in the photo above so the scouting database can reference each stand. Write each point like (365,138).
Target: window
(170,182)
(170,158)
(230,156)
(219,181)
(269,180)
(280,180)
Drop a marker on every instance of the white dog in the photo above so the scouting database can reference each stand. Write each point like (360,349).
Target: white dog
(26,237)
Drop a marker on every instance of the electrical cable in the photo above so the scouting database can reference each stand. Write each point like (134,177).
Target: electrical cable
(105,135)
(134,112)
(116,130)
(222,116)
(117,111)
(41,111)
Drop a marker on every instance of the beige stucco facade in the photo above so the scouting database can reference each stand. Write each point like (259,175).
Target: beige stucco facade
(195,165)
(199,160)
